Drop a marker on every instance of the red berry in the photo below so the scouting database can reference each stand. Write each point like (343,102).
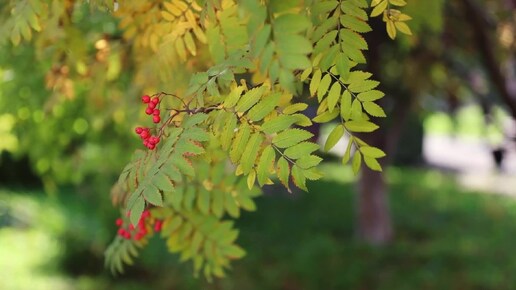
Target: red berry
(138,130)
(151,106)
(151,146)
(138,237)
(149,111)
(156,119)
(131,227)
(146,214)
(158,225)
(121,232)
(156,112)
(146,99)
(127,235)
(145,135)
(119,222)
(155,100)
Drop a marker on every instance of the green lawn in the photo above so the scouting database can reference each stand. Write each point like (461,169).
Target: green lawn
(445,239)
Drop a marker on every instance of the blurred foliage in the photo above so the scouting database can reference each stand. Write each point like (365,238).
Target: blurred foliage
(447,238)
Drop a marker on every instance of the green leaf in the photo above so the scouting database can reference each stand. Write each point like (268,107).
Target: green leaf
(291,137)
(378,9)
(228,132)
(262,37)
(343,65)
(189,198)
(372,152)
(300,150)
(334,137)
(360,126)
(194,120)
(293,44)
(373,109)
(294,61)
(233,97)
(234,252)
(370,96)
(277,124)
(264,107)
(163,182)
(217,203)
(183,165)
(251,178)
(294,108)
(290,24)
(203,201)
(299,178)
(265,164)
(152,196)
(345,105)
(302,120)
(231,206)
(239,143)
(250,98)
(314,83)
(350,8)
(137,210)
(323,87)
(363,86)
(350,38)
(334,95)
(372,163)
(283,171)
(309,161)
(326,116)
(347,154)
(354,23)
(251,152)
(357,161)
(356,110)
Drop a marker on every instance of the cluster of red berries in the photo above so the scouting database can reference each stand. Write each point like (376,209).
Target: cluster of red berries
(130,232)
(151,108)
(150,141)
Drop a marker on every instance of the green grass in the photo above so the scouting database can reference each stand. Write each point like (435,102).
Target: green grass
(445,239)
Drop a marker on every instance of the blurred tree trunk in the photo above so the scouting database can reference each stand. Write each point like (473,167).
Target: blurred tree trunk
(373,214)
(480,23)
(374,218)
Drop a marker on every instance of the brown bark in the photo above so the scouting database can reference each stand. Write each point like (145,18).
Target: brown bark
(374,220)
(373,214)
(484,44)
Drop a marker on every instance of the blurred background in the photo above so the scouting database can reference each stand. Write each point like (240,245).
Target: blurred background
(441,216)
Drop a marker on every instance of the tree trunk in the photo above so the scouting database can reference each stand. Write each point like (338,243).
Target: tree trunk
(374,219)
(373,215)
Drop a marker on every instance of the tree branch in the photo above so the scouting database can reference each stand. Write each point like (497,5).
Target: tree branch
(484,45)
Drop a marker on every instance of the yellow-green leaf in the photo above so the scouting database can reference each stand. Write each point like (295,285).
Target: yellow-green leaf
(373,109)
(357,161)
(334,95)
(334,137)
(372,163)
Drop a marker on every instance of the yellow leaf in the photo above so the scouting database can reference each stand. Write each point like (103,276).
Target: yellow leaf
(379,8)
(172,8)
(403,27)
(391,29)
(180,48)
(190,43)
(168,16)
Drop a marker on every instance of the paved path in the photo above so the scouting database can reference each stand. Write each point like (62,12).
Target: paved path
(469,159)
